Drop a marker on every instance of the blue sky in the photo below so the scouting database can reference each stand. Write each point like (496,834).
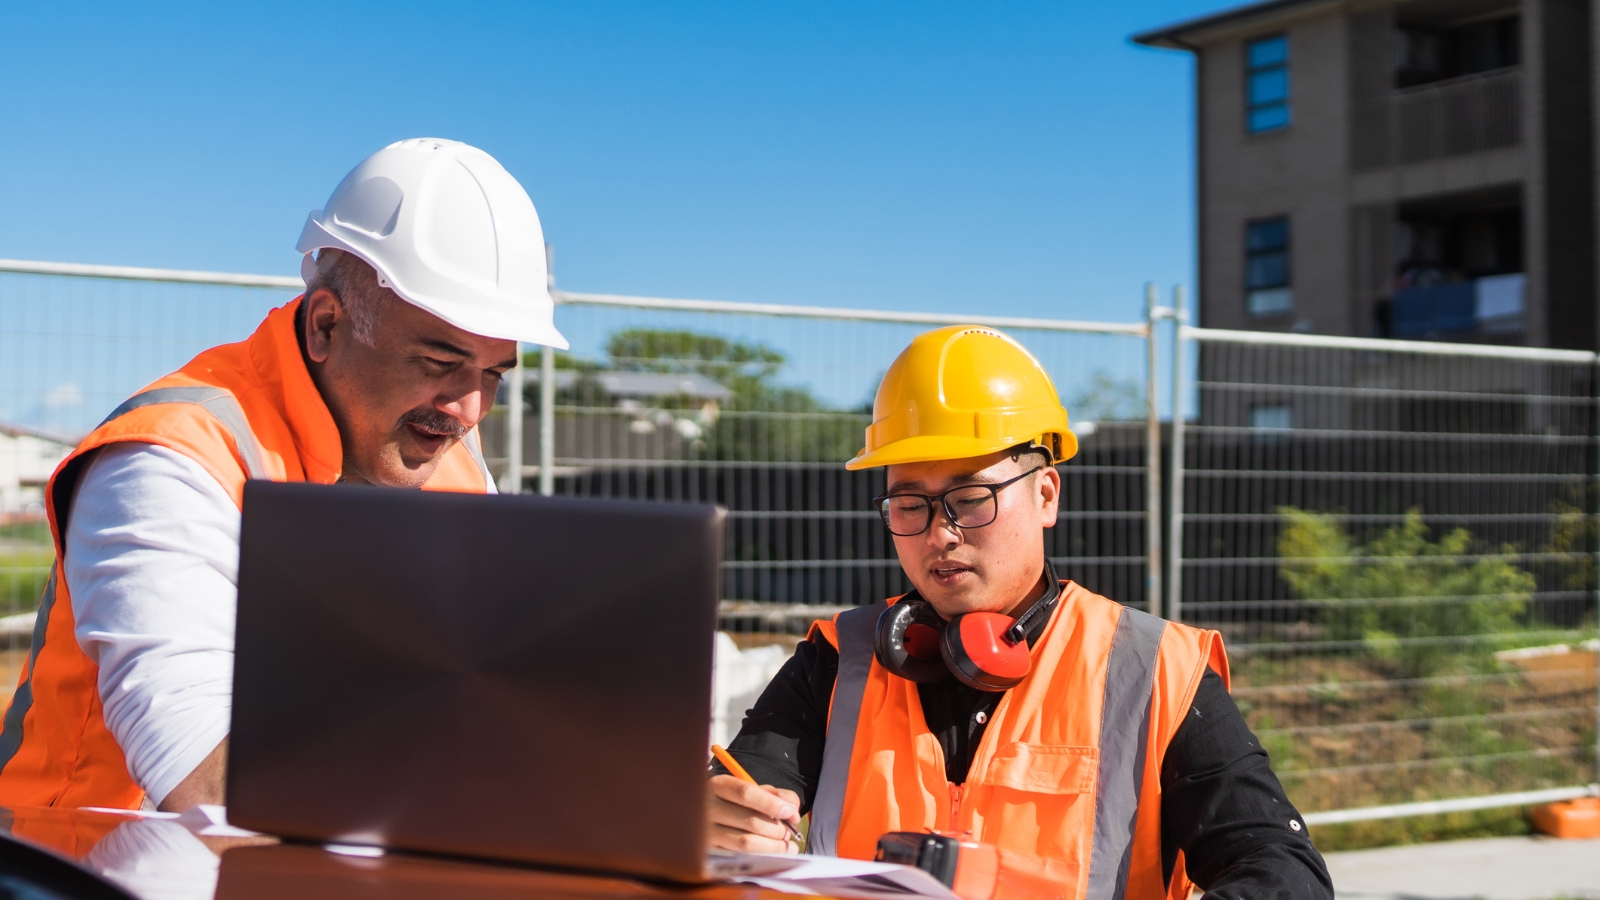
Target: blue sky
(1013,159)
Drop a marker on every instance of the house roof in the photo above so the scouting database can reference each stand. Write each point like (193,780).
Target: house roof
(649,384)
(1175,36)
(14,429)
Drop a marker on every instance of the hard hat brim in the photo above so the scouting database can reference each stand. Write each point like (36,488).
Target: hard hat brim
(938,448)
(499,319)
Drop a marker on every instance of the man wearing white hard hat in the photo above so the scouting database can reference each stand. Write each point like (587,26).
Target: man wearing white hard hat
(423,271)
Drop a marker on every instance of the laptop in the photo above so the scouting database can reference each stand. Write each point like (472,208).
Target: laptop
(508,677)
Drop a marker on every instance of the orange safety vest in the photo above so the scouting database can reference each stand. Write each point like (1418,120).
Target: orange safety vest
(1066,782)
(245,410)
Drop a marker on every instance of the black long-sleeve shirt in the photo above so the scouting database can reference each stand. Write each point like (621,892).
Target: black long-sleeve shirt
(1220,802)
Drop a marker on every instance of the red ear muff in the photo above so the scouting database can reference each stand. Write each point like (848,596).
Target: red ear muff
(978,651)
(907,642)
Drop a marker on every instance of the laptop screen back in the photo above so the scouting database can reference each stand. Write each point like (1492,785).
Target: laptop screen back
(510,677)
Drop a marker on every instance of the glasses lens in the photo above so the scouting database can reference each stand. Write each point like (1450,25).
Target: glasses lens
(906,515)
(974,507)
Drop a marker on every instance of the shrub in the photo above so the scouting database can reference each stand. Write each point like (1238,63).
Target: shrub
(1402,596)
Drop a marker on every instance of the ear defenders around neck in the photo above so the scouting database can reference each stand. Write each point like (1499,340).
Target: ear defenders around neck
(984,650)
(909,637)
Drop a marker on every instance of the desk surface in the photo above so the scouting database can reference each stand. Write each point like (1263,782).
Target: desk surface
(160,859)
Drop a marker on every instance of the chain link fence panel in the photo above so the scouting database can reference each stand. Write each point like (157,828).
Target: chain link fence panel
(759,411)
(71,349)
(1399,548)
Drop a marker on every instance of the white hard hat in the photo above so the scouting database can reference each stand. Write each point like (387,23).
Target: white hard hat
(447,229)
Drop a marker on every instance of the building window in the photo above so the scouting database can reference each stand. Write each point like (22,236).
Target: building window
(1433,53)
(1266,267)
(1267,83)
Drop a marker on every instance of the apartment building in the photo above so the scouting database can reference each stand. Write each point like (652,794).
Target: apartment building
(1422,169)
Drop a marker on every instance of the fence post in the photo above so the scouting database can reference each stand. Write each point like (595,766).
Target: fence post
(1152,466)
(511,480)
(547,421)
(1175,504)
(547,391)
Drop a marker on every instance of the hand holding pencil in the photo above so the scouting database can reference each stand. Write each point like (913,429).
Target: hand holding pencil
(745,814)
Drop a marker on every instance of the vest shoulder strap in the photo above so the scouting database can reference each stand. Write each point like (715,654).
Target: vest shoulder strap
(1124,736)
(855,629)
(220,403)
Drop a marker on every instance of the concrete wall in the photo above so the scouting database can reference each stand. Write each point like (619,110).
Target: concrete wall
(1299,171)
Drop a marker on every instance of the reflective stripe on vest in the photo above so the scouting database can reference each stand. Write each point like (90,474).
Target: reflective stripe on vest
(226,409)
(220,403)
(1124,734)
(22,700)
(857,629)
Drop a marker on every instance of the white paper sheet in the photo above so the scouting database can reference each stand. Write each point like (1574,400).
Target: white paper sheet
(835,877)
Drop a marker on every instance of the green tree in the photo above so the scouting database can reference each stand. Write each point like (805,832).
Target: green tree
(585,390)
(1106,398)
(744,368)
(763,420)
(1401,593)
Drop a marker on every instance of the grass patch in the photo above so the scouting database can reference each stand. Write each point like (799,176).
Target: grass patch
(23,574)
(1478,823)
(36,532)
(26,555)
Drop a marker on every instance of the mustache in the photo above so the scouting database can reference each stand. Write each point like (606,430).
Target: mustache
(434,422)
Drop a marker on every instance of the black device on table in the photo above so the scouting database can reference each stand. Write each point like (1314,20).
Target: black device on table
(471,675)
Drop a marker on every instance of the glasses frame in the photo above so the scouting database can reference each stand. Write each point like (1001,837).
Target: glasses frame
(881,502)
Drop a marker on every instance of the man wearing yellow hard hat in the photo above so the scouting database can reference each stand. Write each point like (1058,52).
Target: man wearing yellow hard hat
(1086,750)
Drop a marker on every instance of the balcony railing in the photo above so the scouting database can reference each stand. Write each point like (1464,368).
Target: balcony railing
(1448,118)
(1462,310)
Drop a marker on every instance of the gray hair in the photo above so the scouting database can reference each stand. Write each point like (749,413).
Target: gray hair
(356,285)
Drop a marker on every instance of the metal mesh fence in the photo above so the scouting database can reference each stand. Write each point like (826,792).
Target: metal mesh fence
(71,349)
(1399,546)
(758,412)
(1399,549)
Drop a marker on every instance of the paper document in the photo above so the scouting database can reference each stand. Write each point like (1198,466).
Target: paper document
(830,876)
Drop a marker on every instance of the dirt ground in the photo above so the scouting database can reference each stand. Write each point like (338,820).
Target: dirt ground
(1353,732)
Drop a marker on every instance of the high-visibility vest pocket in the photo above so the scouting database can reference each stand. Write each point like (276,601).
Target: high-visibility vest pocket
(1037,800)
(1044,768)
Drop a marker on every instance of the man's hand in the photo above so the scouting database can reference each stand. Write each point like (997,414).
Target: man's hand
(748,818)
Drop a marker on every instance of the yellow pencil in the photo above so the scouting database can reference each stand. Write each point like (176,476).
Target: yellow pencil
(737,771)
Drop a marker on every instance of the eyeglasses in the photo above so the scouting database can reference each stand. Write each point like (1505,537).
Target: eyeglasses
(968,506)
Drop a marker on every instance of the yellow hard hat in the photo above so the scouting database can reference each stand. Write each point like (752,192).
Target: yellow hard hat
(963,391)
